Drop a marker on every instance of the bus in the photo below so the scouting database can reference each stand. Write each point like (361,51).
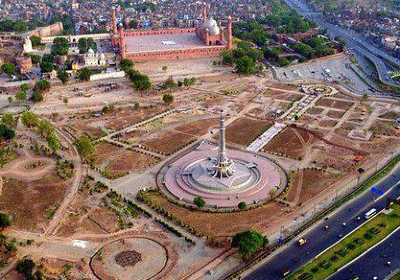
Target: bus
(370,213)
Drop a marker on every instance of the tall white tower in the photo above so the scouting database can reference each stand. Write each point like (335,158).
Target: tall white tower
(224,166)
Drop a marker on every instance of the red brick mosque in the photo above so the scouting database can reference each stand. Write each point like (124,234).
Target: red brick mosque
(209,39)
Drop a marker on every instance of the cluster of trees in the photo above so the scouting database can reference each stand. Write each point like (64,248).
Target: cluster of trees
(249,242)
(26,267)
(60,46)
(43,127)
(6,133)
(19,25)
(39,89)
(35,41)
(244,57)
(86,44)
(141,82)
(313,48)
(68,24)
(85,148)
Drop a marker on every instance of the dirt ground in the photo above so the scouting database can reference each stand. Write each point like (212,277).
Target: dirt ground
(291,142)
(244,130)
(198,128)
(332,103)
(104,152)
(167,142)
(312,183)
(131,161)
(283,95)
(223,224)
(86,215)
(30,204)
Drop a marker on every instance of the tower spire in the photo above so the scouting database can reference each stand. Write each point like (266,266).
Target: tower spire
(224,166)
(121,41)
(229,39)
(204,12)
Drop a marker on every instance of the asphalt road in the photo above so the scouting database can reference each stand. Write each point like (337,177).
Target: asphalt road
(292,256)
(355,43)
(375,261)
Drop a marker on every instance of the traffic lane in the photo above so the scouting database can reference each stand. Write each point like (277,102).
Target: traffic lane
(319,239)
(375,261)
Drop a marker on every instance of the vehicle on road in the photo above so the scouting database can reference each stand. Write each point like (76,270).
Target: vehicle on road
(302,241)
(370,213)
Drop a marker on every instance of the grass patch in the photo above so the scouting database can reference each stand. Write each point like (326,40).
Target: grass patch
(6,155)
(350,247)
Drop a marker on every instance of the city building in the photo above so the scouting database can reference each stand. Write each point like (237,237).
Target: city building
(209,39)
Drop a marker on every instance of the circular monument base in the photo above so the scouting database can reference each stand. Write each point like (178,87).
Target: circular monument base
(130,259)
(256,179)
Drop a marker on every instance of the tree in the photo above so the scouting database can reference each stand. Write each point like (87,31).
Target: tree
(21,95)
(41,86)
(4,220)
(249,242)
(188,82)
(35,41)
(126,64)
(9,120)
(142,83)
(136,106)
(85,148)
(52,142)
(65,100)
(168,98)
(10,99)
(60,46)
(8,68)
(25,267)
(242,205)
(63,76)
(24,87)
(169,83)
(84,74)
(46,67)
(6,133)
(37,96)
(29,119)
(164,68)
(46,128)
(227,57)
(35,58)
(245,65)
(199,201)
(48,57)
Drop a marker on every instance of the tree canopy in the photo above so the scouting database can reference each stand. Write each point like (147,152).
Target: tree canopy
(249,242)
(8,68)
(85,148)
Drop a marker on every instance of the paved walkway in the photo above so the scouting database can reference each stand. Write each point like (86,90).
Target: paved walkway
(266,137)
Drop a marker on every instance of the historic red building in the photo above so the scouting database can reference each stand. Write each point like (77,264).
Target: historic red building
(209,39)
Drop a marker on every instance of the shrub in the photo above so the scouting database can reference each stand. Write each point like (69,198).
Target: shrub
(199,201)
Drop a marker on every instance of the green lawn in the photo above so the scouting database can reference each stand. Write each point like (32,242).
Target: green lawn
(349,248)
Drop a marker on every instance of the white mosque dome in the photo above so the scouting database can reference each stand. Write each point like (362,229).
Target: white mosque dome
(214,30)
(210,23)
(90,52)
(102,56)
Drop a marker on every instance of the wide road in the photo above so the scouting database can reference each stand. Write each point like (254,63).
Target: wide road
(340,223)
(356,43)
(375,261)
